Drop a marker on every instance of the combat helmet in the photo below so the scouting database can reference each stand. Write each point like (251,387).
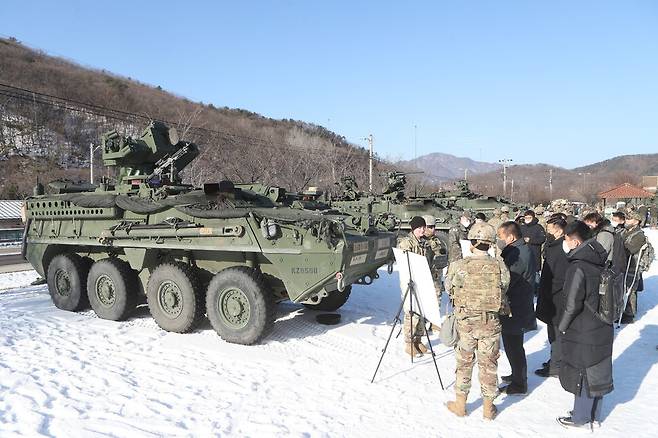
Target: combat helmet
(430,220)
(504,209)
(482,232)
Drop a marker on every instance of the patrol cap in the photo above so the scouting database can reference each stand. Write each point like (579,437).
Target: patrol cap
(634,214)
(504,209)
(539,210)
(430,220)
(416,222)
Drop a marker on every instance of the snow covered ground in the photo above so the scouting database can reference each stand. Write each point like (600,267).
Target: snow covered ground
(67,375)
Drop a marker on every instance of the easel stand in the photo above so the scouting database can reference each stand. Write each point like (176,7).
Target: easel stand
(410,292)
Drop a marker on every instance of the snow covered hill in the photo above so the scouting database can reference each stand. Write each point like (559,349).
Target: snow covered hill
(73,375)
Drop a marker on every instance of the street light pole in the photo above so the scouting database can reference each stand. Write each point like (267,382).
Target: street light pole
(505,162)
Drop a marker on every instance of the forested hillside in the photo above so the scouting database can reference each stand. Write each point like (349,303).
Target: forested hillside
(52,110)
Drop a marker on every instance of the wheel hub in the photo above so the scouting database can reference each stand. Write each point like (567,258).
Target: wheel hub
(234,308)
(170,298)
(62,283)
(105,290)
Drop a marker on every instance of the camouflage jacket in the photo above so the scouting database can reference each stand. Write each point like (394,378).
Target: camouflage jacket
(495,222)
(436,253)
(479,283)
(411,244)
(455,235)
(634,239)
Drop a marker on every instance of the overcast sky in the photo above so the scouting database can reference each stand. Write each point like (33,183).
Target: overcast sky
(563,82)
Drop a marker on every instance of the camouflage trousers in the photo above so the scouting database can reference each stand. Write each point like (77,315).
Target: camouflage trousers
(412,328)
(438,284)
(478,334)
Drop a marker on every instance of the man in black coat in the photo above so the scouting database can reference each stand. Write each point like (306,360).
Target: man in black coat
(586,367)
(550,298)
(534,235)
(520,294)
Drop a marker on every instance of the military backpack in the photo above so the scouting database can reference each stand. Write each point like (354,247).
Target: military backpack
(478,285)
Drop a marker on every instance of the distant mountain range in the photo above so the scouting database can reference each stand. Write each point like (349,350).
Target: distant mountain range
(439,168)
(536,182)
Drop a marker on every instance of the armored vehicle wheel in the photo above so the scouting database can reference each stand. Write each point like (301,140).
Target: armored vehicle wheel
(240,307)
(174,298)
(333,301)
(67,282)
(112,287)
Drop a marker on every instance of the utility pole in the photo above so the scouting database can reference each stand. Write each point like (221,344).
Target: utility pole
(505,162)
(550,183)
(370,140)
(584,174)
(415,143)
(511,195)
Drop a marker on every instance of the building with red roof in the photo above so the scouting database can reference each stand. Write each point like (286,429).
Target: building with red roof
(627,193)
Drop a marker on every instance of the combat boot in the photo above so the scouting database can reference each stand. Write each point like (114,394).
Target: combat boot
(421,347)
(412,350)
(458,407)
(489,411)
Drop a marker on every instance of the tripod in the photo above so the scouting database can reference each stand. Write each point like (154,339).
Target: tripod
(411,293)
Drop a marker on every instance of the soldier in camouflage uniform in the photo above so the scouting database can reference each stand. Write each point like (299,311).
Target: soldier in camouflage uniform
(437,257)
(496,221)
(437,254)
(478,286)
(413,327)
(543,220)
(504,214)
(456,234)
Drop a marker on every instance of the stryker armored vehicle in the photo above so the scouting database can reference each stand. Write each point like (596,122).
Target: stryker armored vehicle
(392,209)
(463,197)
(227,250)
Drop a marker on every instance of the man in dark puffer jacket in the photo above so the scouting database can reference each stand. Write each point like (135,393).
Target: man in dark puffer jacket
(586,368)
(550,299)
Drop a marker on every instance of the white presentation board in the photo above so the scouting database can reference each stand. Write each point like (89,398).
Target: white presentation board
(422,281)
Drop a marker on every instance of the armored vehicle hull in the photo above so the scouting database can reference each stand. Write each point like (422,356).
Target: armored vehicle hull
(224,251)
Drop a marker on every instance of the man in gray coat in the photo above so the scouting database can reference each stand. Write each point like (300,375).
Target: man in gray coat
(602,230)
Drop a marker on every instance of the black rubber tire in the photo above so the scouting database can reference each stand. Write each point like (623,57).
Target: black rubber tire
(260,299)
(126,289)
(76,271)
(333,301)
(193,299)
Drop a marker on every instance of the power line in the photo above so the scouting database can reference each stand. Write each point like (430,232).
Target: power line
(32,97)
